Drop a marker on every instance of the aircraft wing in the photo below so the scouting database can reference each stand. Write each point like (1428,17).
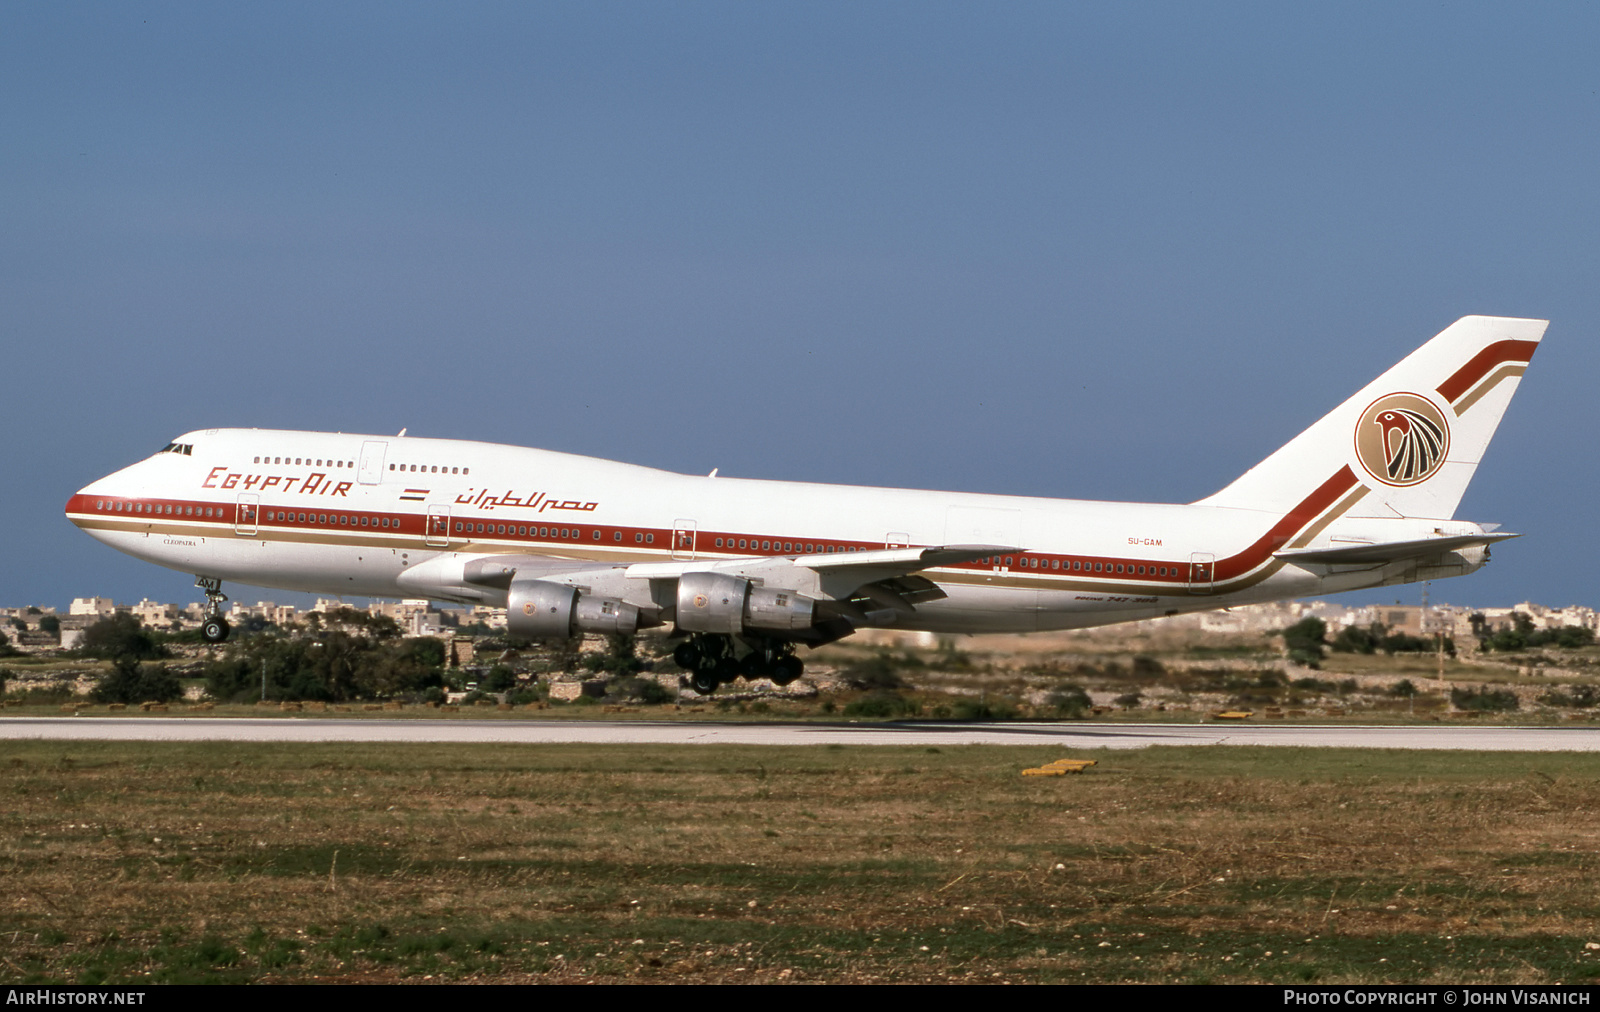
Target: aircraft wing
(857,588)
(1381,552)
(840,573)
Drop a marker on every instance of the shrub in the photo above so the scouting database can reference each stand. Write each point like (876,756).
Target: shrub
(499,679)
(1148,668)
(120,636)
(132,682)
(984,709)
(876,673)
(881,704)
(1304,641)
(1488,700)
(1356,640)
(1576,695)
(1069,701)
(645,690)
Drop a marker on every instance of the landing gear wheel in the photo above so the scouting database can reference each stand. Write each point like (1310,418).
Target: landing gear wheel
(686,655)
(215,628)
(787,669)
(704,682)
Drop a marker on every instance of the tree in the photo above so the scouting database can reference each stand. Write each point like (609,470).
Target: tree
(1304,641)
(132,682)
(1353,639)
(120,636)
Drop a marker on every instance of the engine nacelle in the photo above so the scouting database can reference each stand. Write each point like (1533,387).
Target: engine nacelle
(540,610)
(767,608)
(711,602)
(717,603)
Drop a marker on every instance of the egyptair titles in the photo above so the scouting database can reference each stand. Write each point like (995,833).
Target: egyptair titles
(312,484)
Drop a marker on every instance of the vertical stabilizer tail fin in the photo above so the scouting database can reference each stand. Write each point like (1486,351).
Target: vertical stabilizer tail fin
(1413,437)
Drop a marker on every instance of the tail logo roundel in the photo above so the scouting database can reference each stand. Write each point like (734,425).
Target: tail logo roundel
(1402,439)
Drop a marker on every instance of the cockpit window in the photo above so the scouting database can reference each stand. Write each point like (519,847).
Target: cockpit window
(187,449)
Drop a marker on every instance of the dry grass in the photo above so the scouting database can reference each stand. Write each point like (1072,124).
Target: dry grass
(169,862)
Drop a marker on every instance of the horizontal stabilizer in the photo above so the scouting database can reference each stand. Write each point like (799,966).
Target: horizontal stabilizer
(1389,551)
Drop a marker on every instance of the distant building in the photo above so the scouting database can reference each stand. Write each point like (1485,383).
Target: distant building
(277,614)
(156,615)
(98,607)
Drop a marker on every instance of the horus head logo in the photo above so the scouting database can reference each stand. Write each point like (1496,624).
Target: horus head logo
(1402,439)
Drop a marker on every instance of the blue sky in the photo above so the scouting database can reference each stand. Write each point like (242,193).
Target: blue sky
(1110,251)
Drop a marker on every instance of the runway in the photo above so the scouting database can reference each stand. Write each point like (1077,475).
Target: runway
(549,732)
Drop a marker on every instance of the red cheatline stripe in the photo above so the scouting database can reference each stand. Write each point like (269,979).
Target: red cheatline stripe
(1484,361)
(275,519)
(1296,519)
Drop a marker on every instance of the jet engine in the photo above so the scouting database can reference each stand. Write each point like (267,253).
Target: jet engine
(538,609)
(717,603)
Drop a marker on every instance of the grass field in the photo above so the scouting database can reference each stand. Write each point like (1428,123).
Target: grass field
(234,862)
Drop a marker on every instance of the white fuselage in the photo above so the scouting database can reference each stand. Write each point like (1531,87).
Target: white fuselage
(388,516)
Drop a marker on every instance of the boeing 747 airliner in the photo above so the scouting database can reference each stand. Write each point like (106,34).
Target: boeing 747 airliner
(745,571)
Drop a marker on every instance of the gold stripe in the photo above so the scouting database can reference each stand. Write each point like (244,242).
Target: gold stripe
(369,539)
(1338,510)
(1467,400)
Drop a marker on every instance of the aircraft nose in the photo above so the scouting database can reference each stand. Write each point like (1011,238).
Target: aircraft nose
(79,506)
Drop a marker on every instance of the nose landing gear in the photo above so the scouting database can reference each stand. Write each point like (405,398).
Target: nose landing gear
(215,628)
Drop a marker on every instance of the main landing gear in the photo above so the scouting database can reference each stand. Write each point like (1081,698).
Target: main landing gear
(713,660)
(215,628)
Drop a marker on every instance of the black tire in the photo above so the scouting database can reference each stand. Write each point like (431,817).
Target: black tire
(215,630)
(686,655)
(703,682)
(787,670)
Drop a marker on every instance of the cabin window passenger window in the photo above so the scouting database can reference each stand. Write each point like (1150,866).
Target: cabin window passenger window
(638,539)
(649,539)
